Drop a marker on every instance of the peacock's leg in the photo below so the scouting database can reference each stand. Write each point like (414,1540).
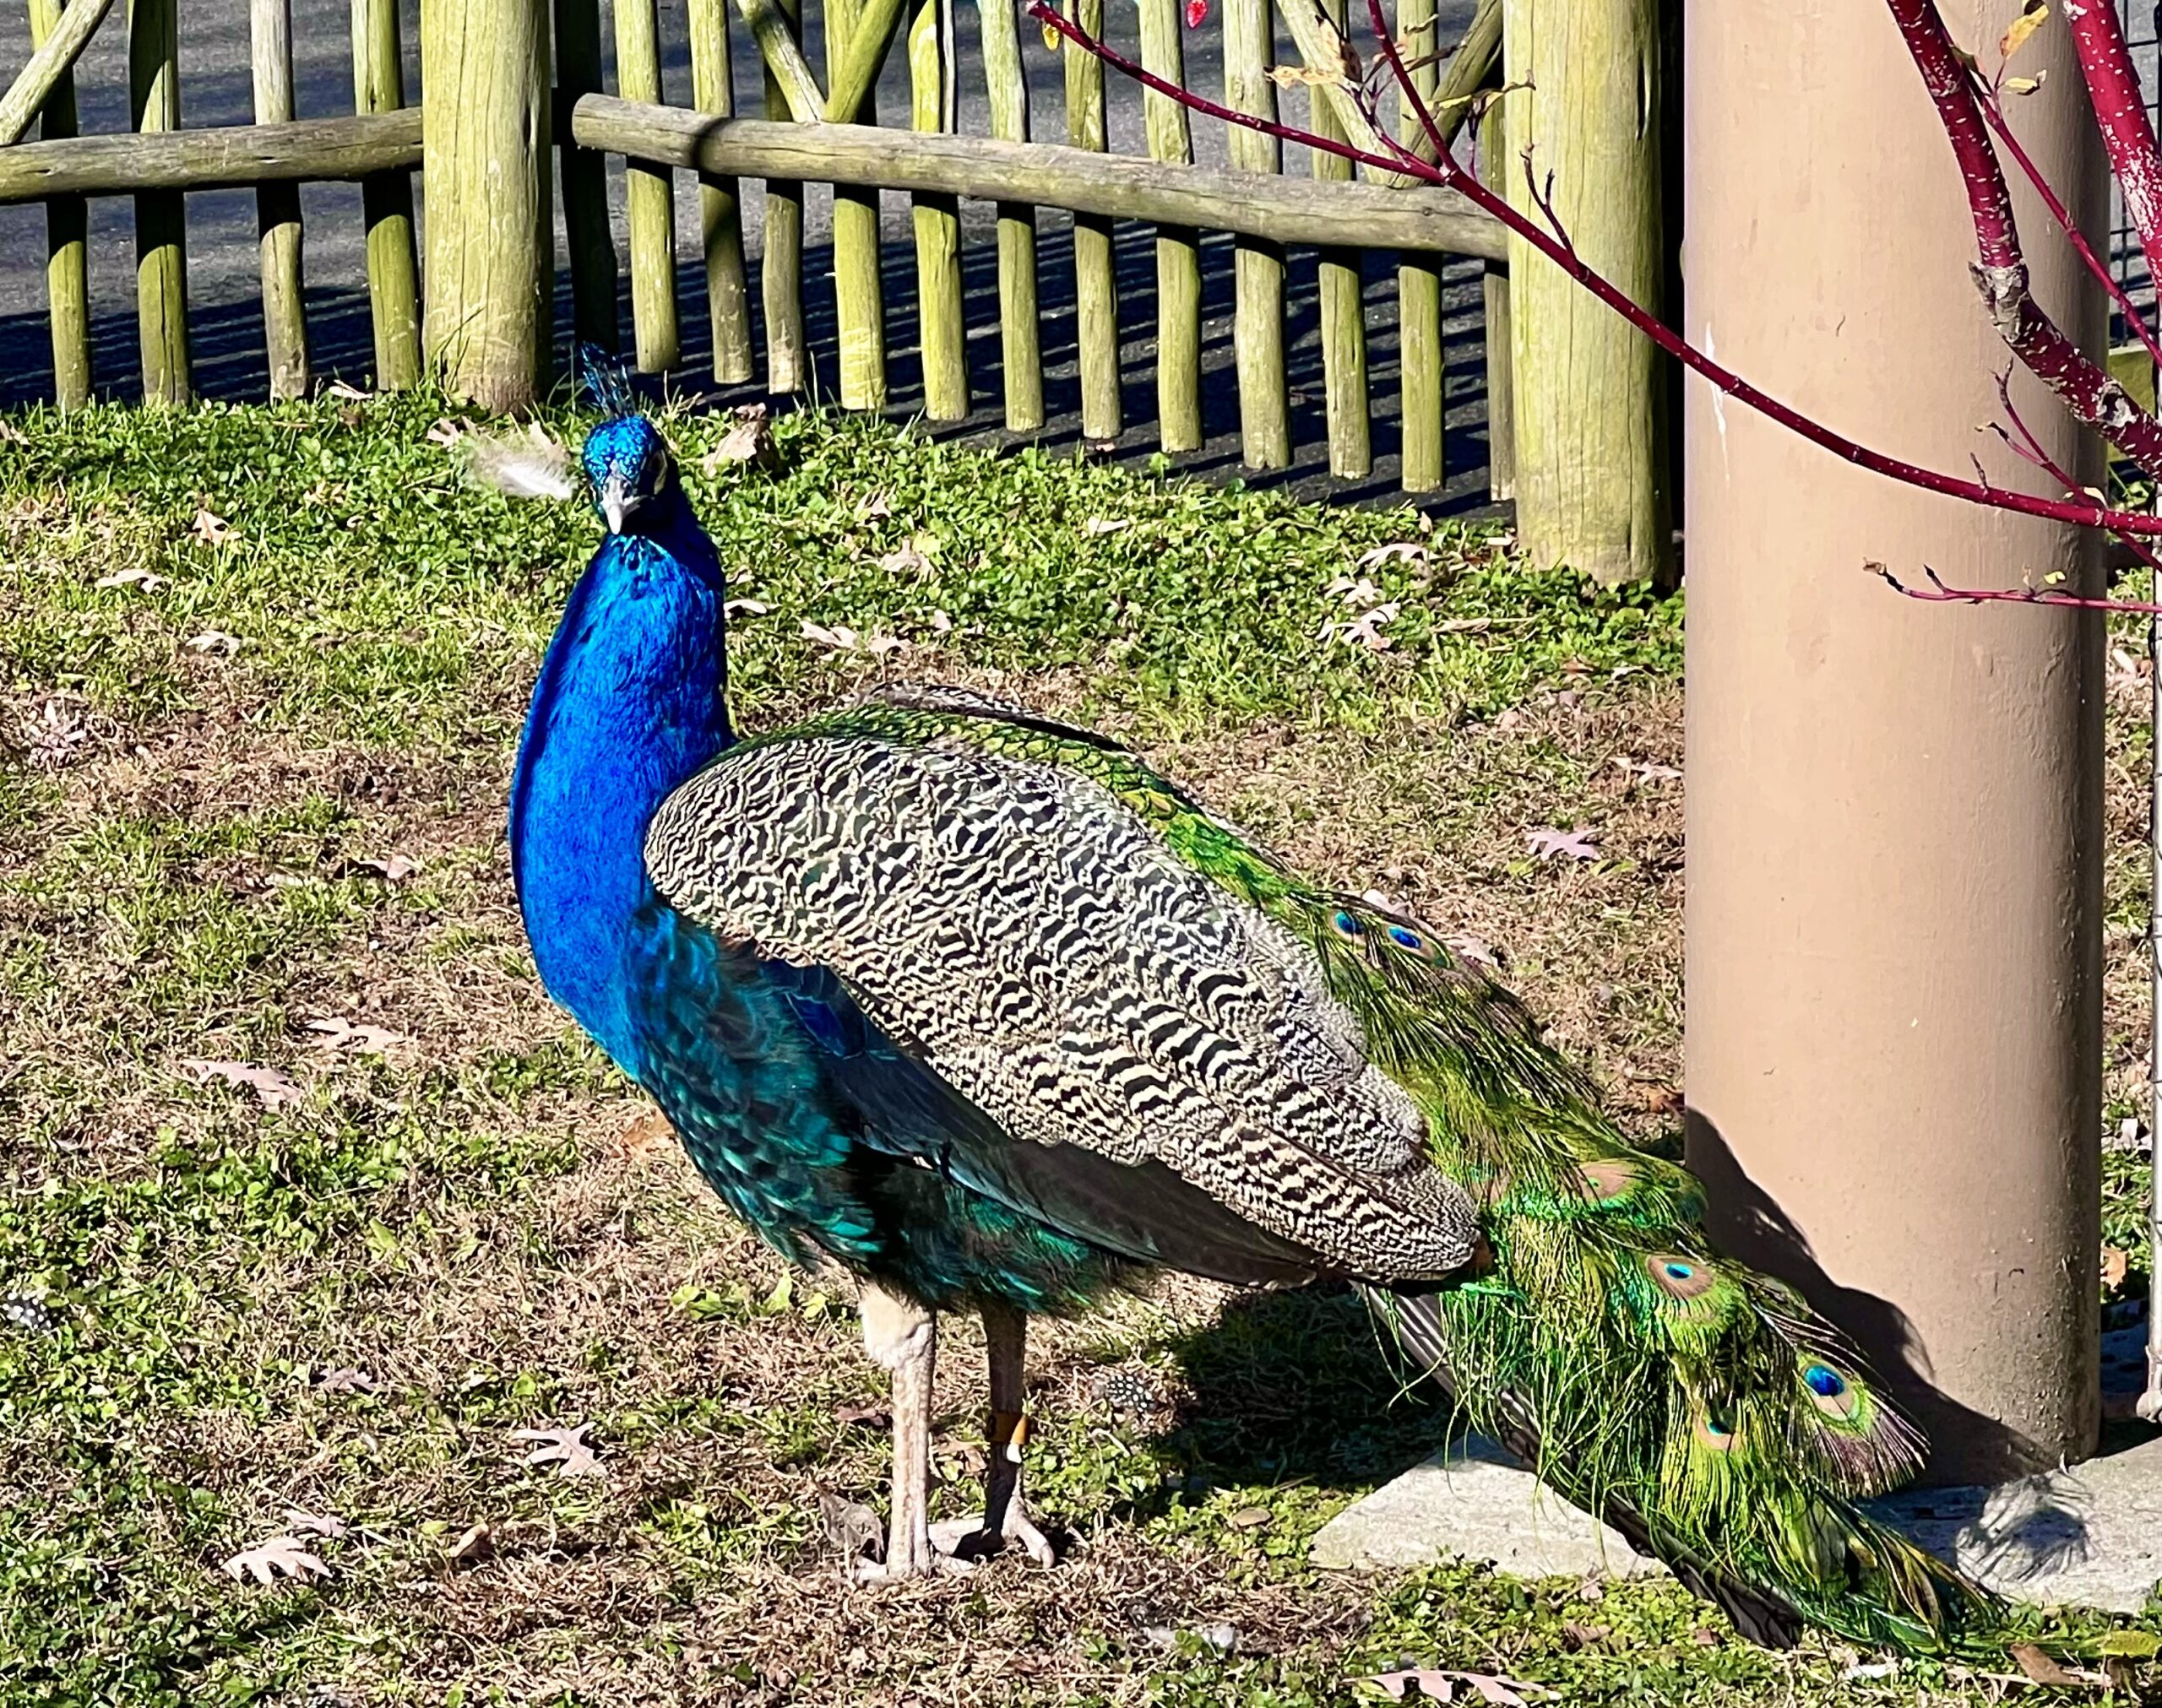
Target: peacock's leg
(1005,1515)
(901,1335)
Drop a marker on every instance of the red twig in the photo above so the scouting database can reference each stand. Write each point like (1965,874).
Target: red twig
(2121,115)
(1993,110)
(1449,174)
(1936,593)
(2094,398)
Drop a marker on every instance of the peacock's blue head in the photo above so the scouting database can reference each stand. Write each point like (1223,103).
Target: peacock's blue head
(627,462)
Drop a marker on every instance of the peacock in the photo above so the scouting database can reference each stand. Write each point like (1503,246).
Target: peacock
(980,1006)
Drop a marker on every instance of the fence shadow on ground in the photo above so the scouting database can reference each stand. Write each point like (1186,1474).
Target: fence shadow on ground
(228,350)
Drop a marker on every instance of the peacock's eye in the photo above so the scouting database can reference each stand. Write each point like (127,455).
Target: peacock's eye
(1404,939)
(1825,1382)
(1678,1272)
(1347,923)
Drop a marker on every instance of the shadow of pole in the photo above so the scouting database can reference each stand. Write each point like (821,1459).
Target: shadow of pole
(1744,1221)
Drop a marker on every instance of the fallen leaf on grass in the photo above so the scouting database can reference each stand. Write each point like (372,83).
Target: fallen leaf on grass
(1474,949)
(853,1526)
(1402,552)
(2114,1265)
(567,1448)
(346,1381)
(744,608)
(877,504)
(132,578)
(475,1543)
(2043,1668)
(316,1523)
(1548,843)
(276,1089)
(1248,1518)
(393,869)
(749,439)
(349,392)
(1097,526)
(281,1556)
(1364,630)
(871,1417)
(211,528)
(912,559)
(343,1034)
(213,641)
(1646,769)
(843,639)
(1439,1686)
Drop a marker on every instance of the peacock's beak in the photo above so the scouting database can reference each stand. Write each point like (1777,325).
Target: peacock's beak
(615,503)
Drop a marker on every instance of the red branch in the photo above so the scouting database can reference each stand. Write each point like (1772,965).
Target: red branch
(2094,398)
(1449,174)
(1936,593)
(2113,91)
(1992,105)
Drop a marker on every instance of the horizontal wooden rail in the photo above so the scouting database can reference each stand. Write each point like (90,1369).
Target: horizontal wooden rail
(1289,210)
(233,157)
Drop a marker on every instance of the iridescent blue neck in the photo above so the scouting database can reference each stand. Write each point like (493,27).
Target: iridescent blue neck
(631,700)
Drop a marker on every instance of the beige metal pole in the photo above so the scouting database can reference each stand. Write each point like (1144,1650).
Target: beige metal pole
(1894,865)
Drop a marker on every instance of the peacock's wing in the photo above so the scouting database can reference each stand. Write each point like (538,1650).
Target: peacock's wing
(1145,1058)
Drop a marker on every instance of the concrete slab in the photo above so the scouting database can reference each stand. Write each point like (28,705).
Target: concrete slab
(2091,1535)
(1475,1500)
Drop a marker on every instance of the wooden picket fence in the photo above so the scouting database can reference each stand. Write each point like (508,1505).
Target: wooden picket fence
(495,127)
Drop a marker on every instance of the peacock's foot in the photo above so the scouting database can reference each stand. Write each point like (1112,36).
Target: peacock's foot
(964,1541)
(874,1572)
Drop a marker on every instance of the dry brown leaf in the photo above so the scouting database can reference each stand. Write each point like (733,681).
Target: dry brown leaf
(1098,526)
(2039,1667)
(316,1523)
(335,1033)
(1248,1518)
(749,439)
(209,528)
(276,1089)
(1548,843)
(213,641)
(476,1543)
(2032,17)
(393,869)
(132,578)
(346,1381)
(567,1448)
(281,1556)
(2114,1265)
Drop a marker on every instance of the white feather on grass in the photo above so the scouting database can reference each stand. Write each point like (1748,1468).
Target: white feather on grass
(530,464)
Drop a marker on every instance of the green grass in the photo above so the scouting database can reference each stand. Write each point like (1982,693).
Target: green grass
(191,868)
(377,597)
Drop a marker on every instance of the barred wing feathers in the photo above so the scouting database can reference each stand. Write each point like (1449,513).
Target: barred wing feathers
(1023,933)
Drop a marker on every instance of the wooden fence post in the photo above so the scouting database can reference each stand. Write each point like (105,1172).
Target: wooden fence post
(485,175)
(780,283)
(1096,262)
(1592,475)
(587,236)
(1418,286)
(278,206)
(941,331)
(387,204)
(650,194)
(1265,407)
(1019,341)
(67,226)
(160,222)
(859,292)
(728,291)
(1178,248)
